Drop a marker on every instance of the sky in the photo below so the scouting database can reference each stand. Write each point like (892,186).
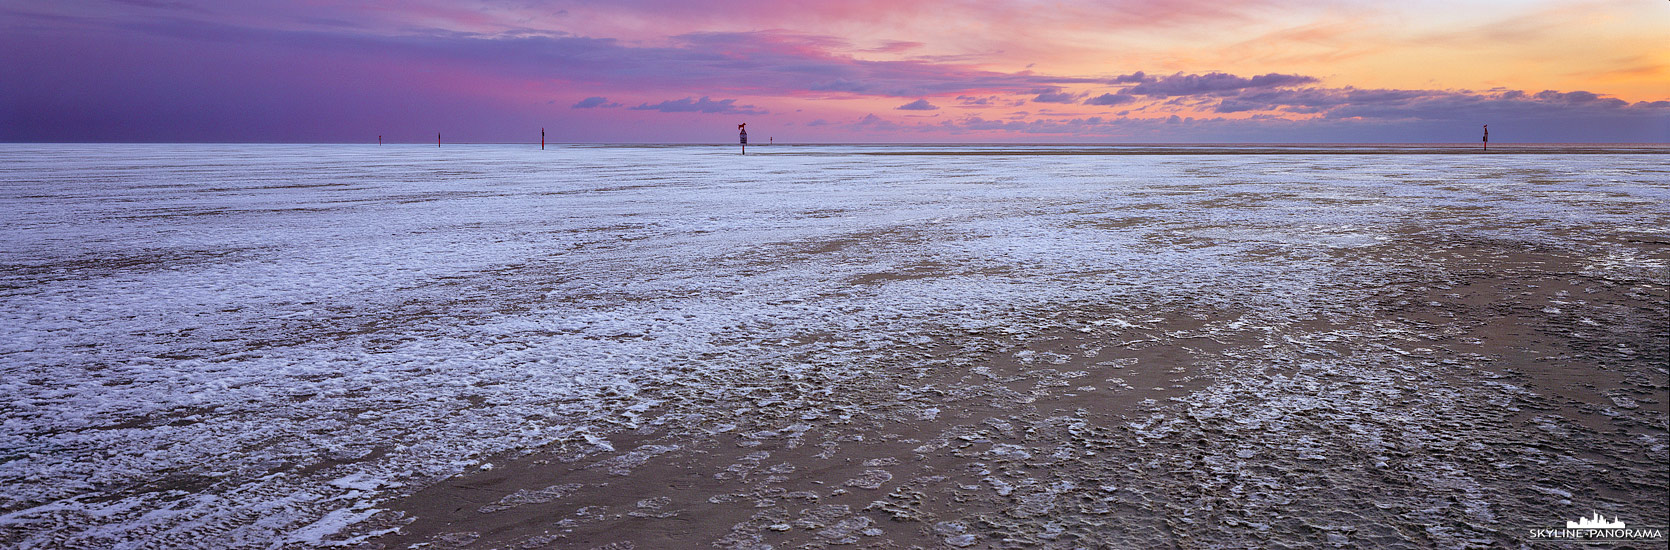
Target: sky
(676,71)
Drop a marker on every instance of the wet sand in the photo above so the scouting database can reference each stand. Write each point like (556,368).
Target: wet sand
(1209,150)
(303,346)
(1490,389)
(1263,151)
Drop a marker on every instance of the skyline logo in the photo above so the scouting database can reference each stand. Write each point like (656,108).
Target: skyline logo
(1596,522)
(1597,528)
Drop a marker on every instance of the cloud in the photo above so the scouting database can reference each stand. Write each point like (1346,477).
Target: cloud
(785,62)
(1055,95)
(1365,115)
(918,105)
(895,46)
(1576,98)
(1546,107)
(1110,99)
(1133,78)
(703,105)
(594,101)
(182,6)
(176,76)
(1305,101)
(1214,83)
(873,123)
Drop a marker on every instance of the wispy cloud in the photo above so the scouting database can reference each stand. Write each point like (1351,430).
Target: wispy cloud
(918,105)
(164,5)
(1054,95)
(594,102)
(703,105)
(1182,84)
(894,46)
(1111,99)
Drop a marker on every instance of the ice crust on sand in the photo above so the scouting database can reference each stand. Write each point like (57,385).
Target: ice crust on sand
(232,345)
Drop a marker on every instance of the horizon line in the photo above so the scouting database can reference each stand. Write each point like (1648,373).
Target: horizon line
(1472,144)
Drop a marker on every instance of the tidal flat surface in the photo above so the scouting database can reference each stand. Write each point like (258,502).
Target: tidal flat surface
(493,346)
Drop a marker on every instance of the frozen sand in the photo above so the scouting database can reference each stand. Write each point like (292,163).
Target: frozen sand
(230,345)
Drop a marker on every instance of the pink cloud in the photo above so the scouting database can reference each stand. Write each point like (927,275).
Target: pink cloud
(918,105)
(703,105)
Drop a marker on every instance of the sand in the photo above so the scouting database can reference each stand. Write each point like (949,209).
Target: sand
(1477,397)
(982,346)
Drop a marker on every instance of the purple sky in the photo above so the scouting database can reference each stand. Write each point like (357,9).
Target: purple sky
(648,71)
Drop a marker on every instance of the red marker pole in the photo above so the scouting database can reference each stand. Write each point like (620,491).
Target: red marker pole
(1487,137)
(542,139)
(743,136)
(437,140)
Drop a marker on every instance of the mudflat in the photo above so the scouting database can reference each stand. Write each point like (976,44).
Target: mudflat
(982,346)
(1489,388)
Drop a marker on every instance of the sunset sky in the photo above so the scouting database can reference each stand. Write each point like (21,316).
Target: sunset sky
(834,71)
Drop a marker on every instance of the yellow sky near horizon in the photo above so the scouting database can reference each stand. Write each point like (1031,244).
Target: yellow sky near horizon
(1609,47)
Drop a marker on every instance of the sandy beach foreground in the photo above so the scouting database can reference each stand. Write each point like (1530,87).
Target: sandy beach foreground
(1486,392)
(676,347)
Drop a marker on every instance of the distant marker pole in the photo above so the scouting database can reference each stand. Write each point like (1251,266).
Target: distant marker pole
(379,141)
(1487,137)
(542,139)
(742,130)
